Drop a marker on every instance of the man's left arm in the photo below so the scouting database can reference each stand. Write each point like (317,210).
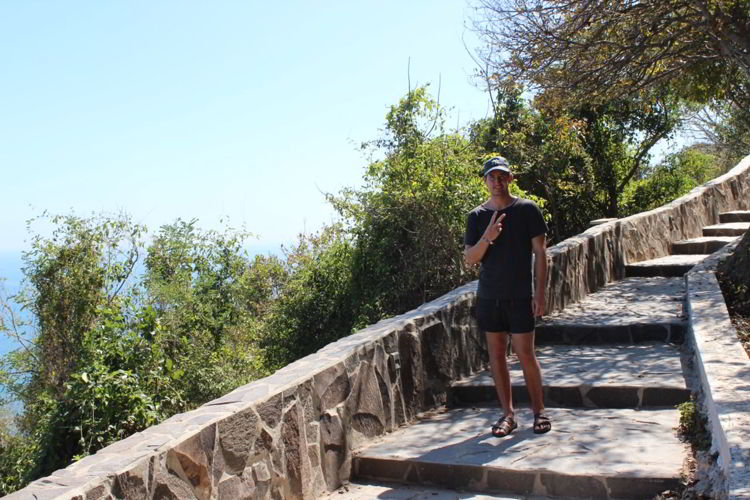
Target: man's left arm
(539,247)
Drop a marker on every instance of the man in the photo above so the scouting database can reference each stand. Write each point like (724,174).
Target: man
(502,234)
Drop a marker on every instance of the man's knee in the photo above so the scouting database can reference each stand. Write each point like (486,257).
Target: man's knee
(497,342)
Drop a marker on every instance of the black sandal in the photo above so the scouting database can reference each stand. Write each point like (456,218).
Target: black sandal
(542,423)
(504,426)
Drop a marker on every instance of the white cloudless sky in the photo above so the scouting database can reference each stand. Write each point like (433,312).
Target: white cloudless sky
(242,109)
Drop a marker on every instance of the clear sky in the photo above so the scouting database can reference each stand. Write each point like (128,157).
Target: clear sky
(246,109)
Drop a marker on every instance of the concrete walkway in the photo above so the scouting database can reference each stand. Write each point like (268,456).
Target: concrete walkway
(615,368)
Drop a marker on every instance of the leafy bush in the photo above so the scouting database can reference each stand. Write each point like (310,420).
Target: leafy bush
(693,425)
(675,177)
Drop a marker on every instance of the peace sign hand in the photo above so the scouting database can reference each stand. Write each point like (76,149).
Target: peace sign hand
(495,227)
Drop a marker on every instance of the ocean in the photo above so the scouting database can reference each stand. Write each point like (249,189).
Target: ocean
(10,269)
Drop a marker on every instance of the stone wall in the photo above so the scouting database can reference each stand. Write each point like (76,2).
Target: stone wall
(291,434)
(723,371)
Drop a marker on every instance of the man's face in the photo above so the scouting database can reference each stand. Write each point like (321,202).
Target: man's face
(497,180)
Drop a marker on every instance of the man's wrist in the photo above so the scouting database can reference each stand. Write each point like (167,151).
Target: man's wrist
(486,239)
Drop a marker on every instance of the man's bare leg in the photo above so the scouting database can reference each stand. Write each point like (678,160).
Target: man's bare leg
(497,343)
(523,346)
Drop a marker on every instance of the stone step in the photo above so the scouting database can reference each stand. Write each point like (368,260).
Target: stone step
(629,311)
(645,375)
(735,216)
(590,453)
(669,266)
(702,245)
(361,490)
(727,229)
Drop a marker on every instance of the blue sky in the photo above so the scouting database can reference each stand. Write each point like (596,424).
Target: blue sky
(240,109)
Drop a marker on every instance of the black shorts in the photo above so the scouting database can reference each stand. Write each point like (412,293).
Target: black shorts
(512,316)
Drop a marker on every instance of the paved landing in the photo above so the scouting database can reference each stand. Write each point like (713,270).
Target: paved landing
(590,453)
(670,265)
(594,377)
(702,245)
(358,491)
(629,311)
(632,300)
(735,216)
(726,229)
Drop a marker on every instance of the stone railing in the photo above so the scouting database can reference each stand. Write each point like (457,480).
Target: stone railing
(290,435)
(723,372)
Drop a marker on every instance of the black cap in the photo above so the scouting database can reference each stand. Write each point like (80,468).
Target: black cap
(496,163)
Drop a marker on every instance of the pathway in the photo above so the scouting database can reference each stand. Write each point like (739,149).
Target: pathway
(615,367)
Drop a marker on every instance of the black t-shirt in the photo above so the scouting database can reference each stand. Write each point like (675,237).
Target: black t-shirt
(505,272)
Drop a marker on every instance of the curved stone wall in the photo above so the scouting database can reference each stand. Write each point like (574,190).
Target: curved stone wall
(290,435)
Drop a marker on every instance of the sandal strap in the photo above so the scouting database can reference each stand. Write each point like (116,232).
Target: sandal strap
(505,424)
(542,423)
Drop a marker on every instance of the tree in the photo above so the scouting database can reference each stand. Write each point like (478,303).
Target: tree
(725,126)
(595,50)
(407,222)
(674,177)
(579,160)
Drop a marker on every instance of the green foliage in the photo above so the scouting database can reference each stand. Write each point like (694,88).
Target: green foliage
(595,50)
(661,184)
(407,222)
(578,160)
(15,459)
(693,426)
(316,305)
(207,294)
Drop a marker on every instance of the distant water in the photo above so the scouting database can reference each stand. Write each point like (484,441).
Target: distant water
(10,269)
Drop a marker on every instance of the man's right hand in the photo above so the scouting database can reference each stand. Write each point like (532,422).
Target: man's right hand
(495,227)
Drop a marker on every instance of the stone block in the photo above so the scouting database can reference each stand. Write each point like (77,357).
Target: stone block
(450,475)
(382,469)
(237,434)
(510,481)
(334,449)
(332,386)
(639,487)
(269,411)
(365,403)
(665,396)
(237,487)
(613,397)
(291,440)
(191,461)
(570,486)
(134,483)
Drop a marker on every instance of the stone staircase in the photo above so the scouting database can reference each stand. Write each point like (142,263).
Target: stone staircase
(615,367)
(687,253)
